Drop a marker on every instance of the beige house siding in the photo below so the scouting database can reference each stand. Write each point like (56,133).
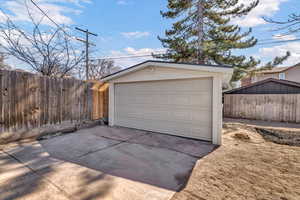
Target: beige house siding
(261,77)
(293,74)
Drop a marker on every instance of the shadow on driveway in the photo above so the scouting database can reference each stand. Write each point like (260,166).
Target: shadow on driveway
(27,171)
(156,159)
(100,162)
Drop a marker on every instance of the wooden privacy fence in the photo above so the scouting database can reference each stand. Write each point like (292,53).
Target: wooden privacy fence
(268,107)
(28,101)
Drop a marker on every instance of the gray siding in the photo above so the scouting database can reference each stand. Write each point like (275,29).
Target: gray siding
(268,88)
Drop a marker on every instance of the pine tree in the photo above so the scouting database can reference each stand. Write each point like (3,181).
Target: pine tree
(204,34)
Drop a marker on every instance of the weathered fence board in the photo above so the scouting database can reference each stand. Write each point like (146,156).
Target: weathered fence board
(100,96)
(268,107)
(29,101)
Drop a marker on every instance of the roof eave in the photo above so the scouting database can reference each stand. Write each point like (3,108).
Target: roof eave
(289,83)
(276,72)
(223,70)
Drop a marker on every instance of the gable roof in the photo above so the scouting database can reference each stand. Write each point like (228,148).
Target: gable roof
(278,69)
(155,63)
(282,82)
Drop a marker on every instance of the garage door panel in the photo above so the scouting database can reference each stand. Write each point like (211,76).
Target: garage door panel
(175,91)
(178,107)
(185,129)
(161,113)
(200,99)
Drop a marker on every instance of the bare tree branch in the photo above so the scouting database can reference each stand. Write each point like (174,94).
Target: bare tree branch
(290,25)
(50,52)
(99,68)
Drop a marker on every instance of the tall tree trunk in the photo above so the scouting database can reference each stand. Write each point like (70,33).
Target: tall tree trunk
(200,22)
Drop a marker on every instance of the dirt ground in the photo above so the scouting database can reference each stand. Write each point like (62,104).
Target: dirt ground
(246,167)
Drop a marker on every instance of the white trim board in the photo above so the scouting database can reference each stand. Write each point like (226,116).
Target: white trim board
(225,71)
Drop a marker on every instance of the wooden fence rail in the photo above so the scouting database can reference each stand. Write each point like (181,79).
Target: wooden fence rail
(28,101)
(268,107)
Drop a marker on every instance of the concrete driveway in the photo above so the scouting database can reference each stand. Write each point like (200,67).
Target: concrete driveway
(100,163)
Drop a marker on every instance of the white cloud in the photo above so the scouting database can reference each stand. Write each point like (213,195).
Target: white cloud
(54,8)
(280,50)
(134,52)
(76,2)
(129,51)
(266,8)
(2,17)
(14,35)
(284,37)
(122,2)
(135,35)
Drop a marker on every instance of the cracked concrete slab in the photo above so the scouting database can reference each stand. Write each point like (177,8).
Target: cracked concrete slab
(29,186)
(188,146)
(99,163)
(151,165)
(19,182)
(33,155)
(10,168)
(84,183)
(69,147)
(115,133)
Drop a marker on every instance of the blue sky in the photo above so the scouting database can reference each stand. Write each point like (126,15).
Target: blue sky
(131,27)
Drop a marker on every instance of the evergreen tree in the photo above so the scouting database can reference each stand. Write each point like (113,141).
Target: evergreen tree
(204,34)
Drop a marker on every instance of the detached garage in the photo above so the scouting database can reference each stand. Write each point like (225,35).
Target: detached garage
(172,98)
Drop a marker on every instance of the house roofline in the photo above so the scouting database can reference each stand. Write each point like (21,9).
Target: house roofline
(204,67)
(285,82)
(283,70)
(270,72)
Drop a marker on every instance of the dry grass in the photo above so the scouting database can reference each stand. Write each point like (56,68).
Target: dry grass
(245,167)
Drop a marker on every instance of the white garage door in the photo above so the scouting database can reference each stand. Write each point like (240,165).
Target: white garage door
(177,107)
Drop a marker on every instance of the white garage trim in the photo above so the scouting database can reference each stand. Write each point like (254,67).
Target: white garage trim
(217,110)
(155,73)
(224,70)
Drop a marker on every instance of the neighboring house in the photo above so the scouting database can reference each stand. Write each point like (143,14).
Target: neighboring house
(268,86)
(270,100)
(173,98)
(284,73)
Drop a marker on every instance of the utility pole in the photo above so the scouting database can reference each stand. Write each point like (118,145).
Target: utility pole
(200,11)
(87,45)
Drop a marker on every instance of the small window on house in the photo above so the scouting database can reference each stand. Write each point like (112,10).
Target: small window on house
(282,76)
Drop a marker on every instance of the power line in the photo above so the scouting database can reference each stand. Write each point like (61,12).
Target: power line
(276,42)
(86,41)
(276,37)
(134,55)
(153,53)
(45,14)
(116,58)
